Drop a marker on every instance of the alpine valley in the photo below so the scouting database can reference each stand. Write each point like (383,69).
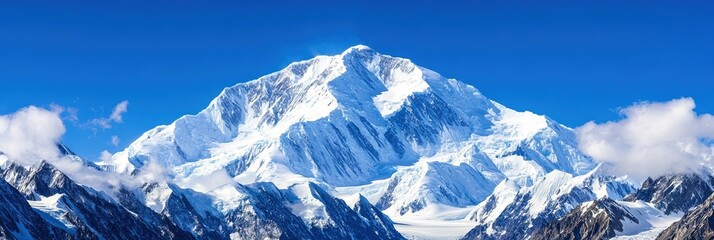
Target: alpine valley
(359,145)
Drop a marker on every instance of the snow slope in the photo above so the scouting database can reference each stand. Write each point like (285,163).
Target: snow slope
(608,219)
(644,214)
(651,221)
(432,229)
(54,209)
(514,212)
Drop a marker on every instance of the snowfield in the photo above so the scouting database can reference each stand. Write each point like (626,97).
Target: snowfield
(433,229)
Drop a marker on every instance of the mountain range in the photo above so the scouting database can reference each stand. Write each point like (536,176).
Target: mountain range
(351,146)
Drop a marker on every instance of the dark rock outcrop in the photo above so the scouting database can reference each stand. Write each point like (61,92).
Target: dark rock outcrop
(18,220)
(674,193)
(595,220)
(696,224)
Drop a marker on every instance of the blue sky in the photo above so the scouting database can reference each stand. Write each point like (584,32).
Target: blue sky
(573,60)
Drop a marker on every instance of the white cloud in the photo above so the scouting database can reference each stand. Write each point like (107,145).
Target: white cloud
(68,113)
(71,114)
(108,182)
(105,156)
(206,183)
(56,108)
(102,123)
(153,172)
(115,140)
(652,139)
(115,117)
(31,134)
(119,109)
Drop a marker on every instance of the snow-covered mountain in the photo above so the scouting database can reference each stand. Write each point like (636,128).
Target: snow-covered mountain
(81,212)
(641,215)
(696,224)
(409,140)
(43,202)
(18,220)
(335,147)
(261,210)
(514,212)
(605,219)
(675,193)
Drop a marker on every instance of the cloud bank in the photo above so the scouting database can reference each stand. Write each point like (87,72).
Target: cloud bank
(652,139)
(31,134)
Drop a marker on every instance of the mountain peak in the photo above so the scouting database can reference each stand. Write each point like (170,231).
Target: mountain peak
(358,47)
(360,53)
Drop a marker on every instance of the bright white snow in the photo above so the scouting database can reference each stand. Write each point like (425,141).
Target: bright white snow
(652,221)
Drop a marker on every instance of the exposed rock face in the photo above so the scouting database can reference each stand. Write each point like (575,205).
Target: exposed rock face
(50,205)
(88,214)
(645,212)
(696,224)
(507,216)
(376,218)
(18,220)
(594,220)
(261,210)
(674,193)
(506,224)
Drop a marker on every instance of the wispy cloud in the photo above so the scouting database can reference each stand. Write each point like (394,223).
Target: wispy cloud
(119,109)
(67,113)
(652,139)
(115,140)
(115,117)
(56,108)
(105,156)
